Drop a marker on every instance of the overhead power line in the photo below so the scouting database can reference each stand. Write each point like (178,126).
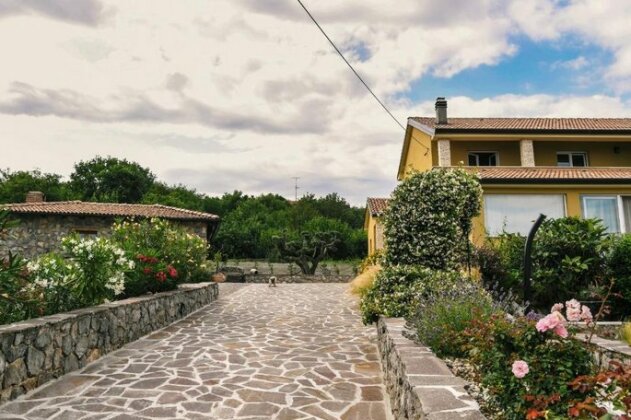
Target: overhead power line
(361,79)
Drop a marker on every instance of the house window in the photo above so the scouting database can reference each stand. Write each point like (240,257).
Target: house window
(483,159)
(516,213)
(571,159)
(614,211)
(86,233)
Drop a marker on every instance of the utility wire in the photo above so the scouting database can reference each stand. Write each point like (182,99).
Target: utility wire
(361,79)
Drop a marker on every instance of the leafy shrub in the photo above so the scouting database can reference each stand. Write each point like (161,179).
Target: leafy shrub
(151,275)
(569,256)
(441,318)
(396,290)
(619,263)
(500,260)
(16,303)
(90,270)
(611,389)
(170,243)
(429,219)
(527,371)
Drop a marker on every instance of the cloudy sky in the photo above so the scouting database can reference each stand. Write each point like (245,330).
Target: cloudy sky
(245,94)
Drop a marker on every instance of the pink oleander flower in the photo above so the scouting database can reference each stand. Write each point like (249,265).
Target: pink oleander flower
(520,369)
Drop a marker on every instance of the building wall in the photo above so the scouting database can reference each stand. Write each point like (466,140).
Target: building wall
(374,229)
(598,153)
(572,195)
(420,152)
(39,234)
(508,151)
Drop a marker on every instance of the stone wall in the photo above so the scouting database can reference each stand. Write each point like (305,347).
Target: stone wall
(420,385)
(35,351)
(298,278)
(38,234)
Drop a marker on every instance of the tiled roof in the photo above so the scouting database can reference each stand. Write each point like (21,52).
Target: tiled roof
(80,208)
(377,206)
(611,125)
(494,174)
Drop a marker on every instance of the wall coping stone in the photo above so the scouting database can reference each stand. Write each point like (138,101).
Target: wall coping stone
(69,341)
(419,383)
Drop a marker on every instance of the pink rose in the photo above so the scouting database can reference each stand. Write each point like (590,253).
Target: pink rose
(520,369)
(557,307)
(543,324)
(554,322)
(561,331)
(573,310)
(586,315)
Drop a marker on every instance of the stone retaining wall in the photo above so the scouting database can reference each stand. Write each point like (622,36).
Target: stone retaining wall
(420,385)
(35,351)
(298,278)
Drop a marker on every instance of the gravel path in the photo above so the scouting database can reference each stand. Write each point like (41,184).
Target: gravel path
(297,351)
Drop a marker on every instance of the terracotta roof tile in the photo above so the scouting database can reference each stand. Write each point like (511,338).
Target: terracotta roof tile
(613,125)
(552,174)
(79,208)
(377,206)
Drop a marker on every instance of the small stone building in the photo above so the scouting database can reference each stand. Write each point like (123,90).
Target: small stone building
(41,224)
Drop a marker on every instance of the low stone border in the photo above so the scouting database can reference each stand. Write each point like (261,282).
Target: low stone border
(36,351)
(607,350)
(298,278)
(420,385)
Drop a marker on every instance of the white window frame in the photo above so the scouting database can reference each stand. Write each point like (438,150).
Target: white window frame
(477,158)
(622,224)
(485,213)
(570,153)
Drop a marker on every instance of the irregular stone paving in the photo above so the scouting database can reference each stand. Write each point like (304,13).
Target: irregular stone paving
(298,351)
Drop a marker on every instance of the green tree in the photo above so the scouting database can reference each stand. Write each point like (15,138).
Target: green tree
(15,185)
(309,250)
(176,196)
(111,180)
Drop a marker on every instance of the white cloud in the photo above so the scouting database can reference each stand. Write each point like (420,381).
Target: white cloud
(247,93)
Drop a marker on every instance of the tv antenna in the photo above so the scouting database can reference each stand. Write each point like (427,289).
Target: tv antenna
(296,187)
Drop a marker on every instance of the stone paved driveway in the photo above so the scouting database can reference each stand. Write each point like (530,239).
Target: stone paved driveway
(297,351)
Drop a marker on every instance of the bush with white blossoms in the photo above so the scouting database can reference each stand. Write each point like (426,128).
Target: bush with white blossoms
(87,272)
(100,268)
(429,218)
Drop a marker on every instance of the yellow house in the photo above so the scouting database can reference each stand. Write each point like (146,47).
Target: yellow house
(373,224)
(527,166)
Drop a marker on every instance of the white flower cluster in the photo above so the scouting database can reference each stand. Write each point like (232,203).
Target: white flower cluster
(429,218)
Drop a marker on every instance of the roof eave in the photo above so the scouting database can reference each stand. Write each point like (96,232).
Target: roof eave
(442,131)
(564,181)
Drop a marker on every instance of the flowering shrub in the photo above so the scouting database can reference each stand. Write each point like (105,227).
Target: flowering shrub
(429,219)
(170,243)
(526,364)
(150,275)
(442,316)
(397,290)
(91,271)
